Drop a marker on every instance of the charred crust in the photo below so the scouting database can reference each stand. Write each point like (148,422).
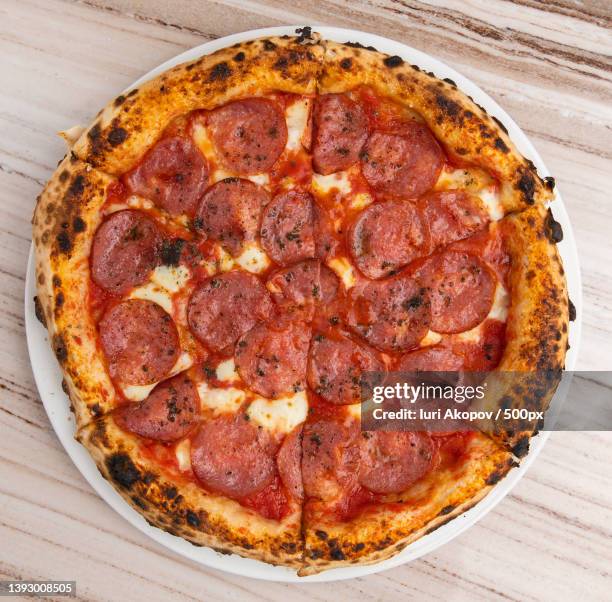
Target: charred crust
(117,136)
(495,477)
(554,230)
(63,176)
(39,312)
(220,72)
(449,81)
(448,106)
(289,546)
(77,186)
(170,492)
(446,510)
(346,63)
(63,242)
(119,100)
(138,501)
(500,124)
(122,470)
(359,45)
(59,300)
(269,45)
(521,447)
(572,310)
(65,387)
(239,57)
(192,518)
(304,33)
(549,182)
(393,61)
(96,410)
(358,546)
(78,225)
(335,552)
(526,185)
(321,534)
(95,138)
(59,348)
(501,145)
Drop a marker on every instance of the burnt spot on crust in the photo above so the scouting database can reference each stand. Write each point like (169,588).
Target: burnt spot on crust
(95,409)
(95,138)
(446,510)
(500,124)
(59,300)
(448,80)
(56,281)
(359,45)
(448,106)
(38,310)
(321,534)
(346,63)
(553,228)
(65,387)
(117,136)
(220,72)
(269,45)
(496,476)
(393,61)
(138,501)
(521,447)
(304,33)
(63,176)
(59,348)
(192,518)
(63,242)
(549,182)
(289,546)
(78,225)
(572,310)
(501,145)
(335,552)
(122,470)
(358,546)
(526,185)
(239,57)
(76,188)
(119,100)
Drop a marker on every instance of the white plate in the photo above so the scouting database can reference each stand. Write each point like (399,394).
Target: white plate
(48,376)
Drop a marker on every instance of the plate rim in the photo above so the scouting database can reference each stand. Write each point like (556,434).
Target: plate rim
(46,370)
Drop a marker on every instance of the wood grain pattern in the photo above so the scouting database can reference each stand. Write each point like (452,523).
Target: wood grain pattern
(547,63)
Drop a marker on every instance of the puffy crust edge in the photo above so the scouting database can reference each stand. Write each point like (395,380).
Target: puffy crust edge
(383,533)
(468,133)
(182,508)
(125,129)
(537,326)
(67,214)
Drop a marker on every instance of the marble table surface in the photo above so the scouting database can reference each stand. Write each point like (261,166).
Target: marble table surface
(547,63)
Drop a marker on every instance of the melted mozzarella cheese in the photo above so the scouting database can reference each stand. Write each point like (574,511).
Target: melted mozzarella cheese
(220,400)
(361,200)
(492,202)
(323,184)
(183,455)
(296,117)
(279,415)
(154,292)
(140,392)
(344,270)
(431,338)
(164,281)
(226,371)
(253,259)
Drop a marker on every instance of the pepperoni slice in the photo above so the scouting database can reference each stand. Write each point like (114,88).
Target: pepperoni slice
(452,215)
(271,358)
(340,130)
(249,135)
(229,212)
(173,174)
(297,289)
(387,236)
(231,456)
(441,364)
(325,241)
(336,368)
(167,414)
(140,341)
(392,314)
(392,461)
(330,457)
(461,290)
(329,285)
(124,251)
(289,463)
(402,165)
(224,307)
(287,232)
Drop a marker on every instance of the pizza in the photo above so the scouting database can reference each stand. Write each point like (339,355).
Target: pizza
(226,251)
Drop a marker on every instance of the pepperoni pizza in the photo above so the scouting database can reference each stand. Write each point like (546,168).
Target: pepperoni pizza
(227,250)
